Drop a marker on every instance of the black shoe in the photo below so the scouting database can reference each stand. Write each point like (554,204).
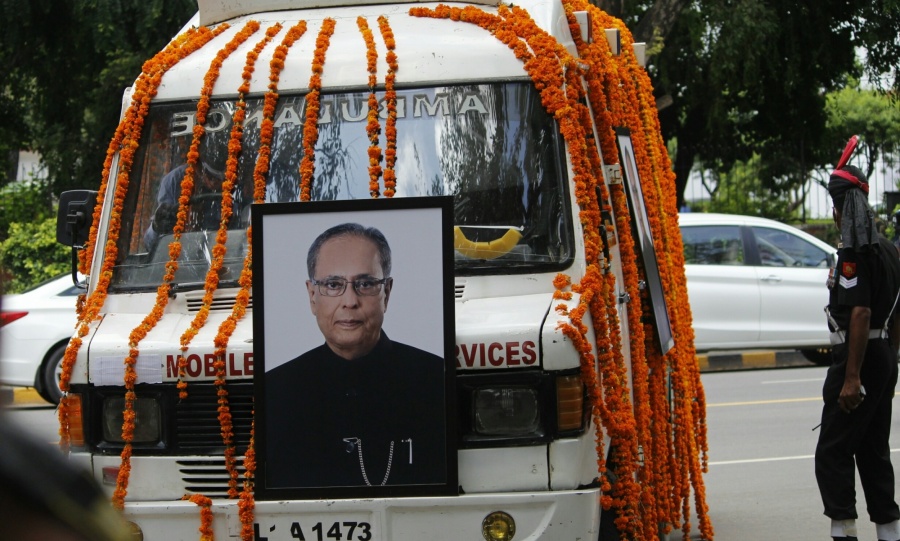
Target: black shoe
(845,538)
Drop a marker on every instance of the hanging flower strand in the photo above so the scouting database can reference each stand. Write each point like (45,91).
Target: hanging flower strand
(390,98)
(373,127)
(125,143)
(311,124)
(218,252)
(162,295)
(247,505)
(616,103)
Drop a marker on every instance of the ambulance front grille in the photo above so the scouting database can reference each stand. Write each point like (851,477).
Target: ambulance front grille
(219,304)
(197,426)
(208,476)
(459,290)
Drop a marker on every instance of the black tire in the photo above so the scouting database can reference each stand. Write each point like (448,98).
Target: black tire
(819,356)
(48,376)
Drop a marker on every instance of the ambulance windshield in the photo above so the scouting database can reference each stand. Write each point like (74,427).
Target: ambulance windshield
(491,146)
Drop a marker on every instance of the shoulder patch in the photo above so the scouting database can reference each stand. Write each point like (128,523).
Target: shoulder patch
(848,269)
(848,283)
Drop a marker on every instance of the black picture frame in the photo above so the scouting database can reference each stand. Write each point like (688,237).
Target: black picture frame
(419,320)
(644,235)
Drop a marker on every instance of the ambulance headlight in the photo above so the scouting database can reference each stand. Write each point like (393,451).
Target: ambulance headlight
(507,411)
(147,419)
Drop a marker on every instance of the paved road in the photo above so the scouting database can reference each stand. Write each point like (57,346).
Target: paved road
(761,482)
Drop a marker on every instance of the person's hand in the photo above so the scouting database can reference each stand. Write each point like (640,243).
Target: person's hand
(852,395)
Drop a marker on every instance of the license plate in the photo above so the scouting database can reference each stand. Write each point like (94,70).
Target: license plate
(306,529)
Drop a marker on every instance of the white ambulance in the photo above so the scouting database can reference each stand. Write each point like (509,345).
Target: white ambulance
(560,414)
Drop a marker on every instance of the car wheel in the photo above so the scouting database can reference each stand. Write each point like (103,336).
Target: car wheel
(49,374)
(819,356)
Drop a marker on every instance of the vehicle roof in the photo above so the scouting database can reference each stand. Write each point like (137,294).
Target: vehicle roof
(712,218)
(48,292)
(429,51)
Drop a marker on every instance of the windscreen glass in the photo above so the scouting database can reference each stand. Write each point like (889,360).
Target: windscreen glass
(491,146)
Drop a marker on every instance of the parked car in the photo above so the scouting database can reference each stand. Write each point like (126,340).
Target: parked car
(35,327)
(756,283)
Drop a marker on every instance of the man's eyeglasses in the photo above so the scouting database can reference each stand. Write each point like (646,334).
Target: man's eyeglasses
(335,287)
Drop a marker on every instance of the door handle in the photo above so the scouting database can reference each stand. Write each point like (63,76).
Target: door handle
(771,278)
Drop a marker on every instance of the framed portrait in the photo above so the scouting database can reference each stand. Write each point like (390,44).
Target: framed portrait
(644,236)
(354,335)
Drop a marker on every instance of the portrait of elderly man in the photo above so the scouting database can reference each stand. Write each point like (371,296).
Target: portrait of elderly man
(359,409)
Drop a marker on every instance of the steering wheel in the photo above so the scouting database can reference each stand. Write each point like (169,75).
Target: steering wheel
(485,250)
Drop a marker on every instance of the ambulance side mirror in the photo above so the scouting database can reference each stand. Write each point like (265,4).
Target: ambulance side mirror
(73,220)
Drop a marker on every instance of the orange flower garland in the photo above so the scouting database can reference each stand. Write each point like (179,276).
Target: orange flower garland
(125,143)
(633,429)
(206,516)
(311,124)
(373,127)
(162,294)
(218,251)
(390,98)
(246,505)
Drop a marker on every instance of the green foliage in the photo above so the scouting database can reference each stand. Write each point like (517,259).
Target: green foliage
(65,65)
(31,255)
(26,201)
(740,191)
(870,115)
(750,77)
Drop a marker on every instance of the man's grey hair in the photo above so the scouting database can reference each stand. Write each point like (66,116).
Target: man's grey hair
(350,230)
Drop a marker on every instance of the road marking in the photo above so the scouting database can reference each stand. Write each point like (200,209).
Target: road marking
(773,459)
(791,380)
(778,401)
(760,402)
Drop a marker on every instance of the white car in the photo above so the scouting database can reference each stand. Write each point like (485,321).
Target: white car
(756,283)
(35,327)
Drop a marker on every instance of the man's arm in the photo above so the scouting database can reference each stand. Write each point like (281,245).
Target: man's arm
(857,340)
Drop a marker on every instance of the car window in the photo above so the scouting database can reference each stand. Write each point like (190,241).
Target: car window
(712,245)
(783,249)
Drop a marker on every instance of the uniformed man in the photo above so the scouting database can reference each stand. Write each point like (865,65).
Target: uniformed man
(859,385)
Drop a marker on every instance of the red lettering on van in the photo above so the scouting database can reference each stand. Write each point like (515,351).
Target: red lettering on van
(248,363)
(496,361)
(171,366)
(495,354)
(530,355)
(194,365)
(512,353)
(209,364)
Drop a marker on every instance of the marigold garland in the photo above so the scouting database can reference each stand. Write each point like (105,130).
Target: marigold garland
(632,429)
(247,505)
(373,127)
(206,516)
(125,144)
(162,293)
(390,98)
(231,166)
(311,123)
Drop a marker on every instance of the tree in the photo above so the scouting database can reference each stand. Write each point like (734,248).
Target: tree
(749,77)
(872,116)
(66,63)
